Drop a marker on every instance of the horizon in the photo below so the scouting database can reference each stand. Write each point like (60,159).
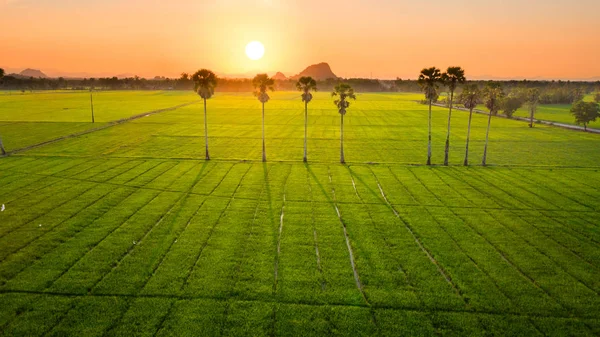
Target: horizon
(109,38)
(250,75)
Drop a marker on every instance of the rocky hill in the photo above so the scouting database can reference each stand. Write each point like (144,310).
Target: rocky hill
(279,76)
(32,73)
(319,72)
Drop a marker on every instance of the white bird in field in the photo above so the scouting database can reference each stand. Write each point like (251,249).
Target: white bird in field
(3,208)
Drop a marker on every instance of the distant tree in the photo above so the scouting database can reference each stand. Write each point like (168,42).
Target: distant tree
(428,80)
(451,78)
(533,99)
(597,97)
(577,94)
(585,112)
(469,97)
(344,92)
(397,83)
(306,85)
(1,144)
(205,82)
(262,83)
(493,95)
(511,104)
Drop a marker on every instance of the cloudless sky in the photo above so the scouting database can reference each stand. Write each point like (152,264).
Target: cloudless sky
(385,38)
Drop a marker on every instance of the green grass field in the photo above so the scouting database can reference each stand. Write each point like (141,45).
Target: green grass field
(127,231)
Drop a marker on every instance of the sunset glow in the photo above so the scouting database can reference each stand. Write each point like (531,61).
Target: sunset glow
(386,39)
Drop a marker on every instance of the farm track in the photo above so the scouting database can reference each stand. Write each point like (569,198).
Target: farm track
(110,124)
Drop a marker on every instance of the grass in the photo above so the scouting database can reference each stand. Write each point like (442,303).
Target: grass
(126,231)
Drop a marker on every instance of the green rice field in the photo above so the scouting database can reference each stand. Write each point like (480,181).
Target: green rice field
(126,231)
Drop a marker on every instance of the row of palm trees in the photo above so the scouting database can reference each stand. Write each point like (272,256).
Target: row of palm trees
(205,82)
(471,95)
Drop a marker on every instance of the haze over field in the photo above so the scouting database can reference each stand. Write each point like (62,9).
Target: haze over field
(508,39)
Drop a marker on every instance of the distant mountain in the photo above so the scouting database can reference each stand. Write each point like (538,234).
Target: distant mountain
(32,73)
(319,72)
(279,76)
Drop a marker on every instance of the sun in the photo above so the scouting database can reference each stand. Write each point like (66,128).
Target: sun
(255,50)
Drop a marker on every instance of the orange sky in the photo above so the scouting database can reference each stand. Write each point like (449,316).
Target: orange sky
(385,38)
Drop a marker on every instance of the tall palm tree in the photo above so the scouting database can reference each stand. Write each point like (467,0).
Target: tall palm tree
(344,92)
(205,82)
(469,97)
(428,80)
(492,94)
(533,98)
(451,78)
(2,145)
(306,85)
(262,83)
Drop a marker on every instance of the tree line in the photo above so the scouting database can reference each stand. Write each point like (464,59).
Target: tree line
(492,95)
(552,92)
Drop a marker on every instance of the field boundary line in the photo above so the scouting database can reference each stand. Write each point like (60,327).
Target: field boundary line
(183,230)
(140,240)
(74,234)
(544,186)
(43,213)
(61,221)
(349,246)
(50,283)
(501,253)
(568,229)
(323,202)
(183,199)
(314,228)
(313,162)
(408,227)
(312,304)
(108,125)
(387,244)
(212,229)
(533,281)
(533,226)
(238,266)
(52,208)
(278,251)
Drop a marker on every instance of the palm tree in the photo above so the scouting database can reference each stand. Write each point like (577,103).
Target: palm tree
(306,85)
(2,145)
(205,82)
(469,97)
(428,80)
(344,91)
(262,83)
(493,94)
(451,78)
(533,98)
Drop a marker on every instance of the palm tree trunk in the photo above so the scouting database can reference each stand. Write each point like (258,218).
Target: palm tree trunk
(206,131)
(531,117)
(92,106)
(487,135)
(2,147)
(342,160)
(429,137)
(305,129)
(264,152)
(466,163)
(447,149)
